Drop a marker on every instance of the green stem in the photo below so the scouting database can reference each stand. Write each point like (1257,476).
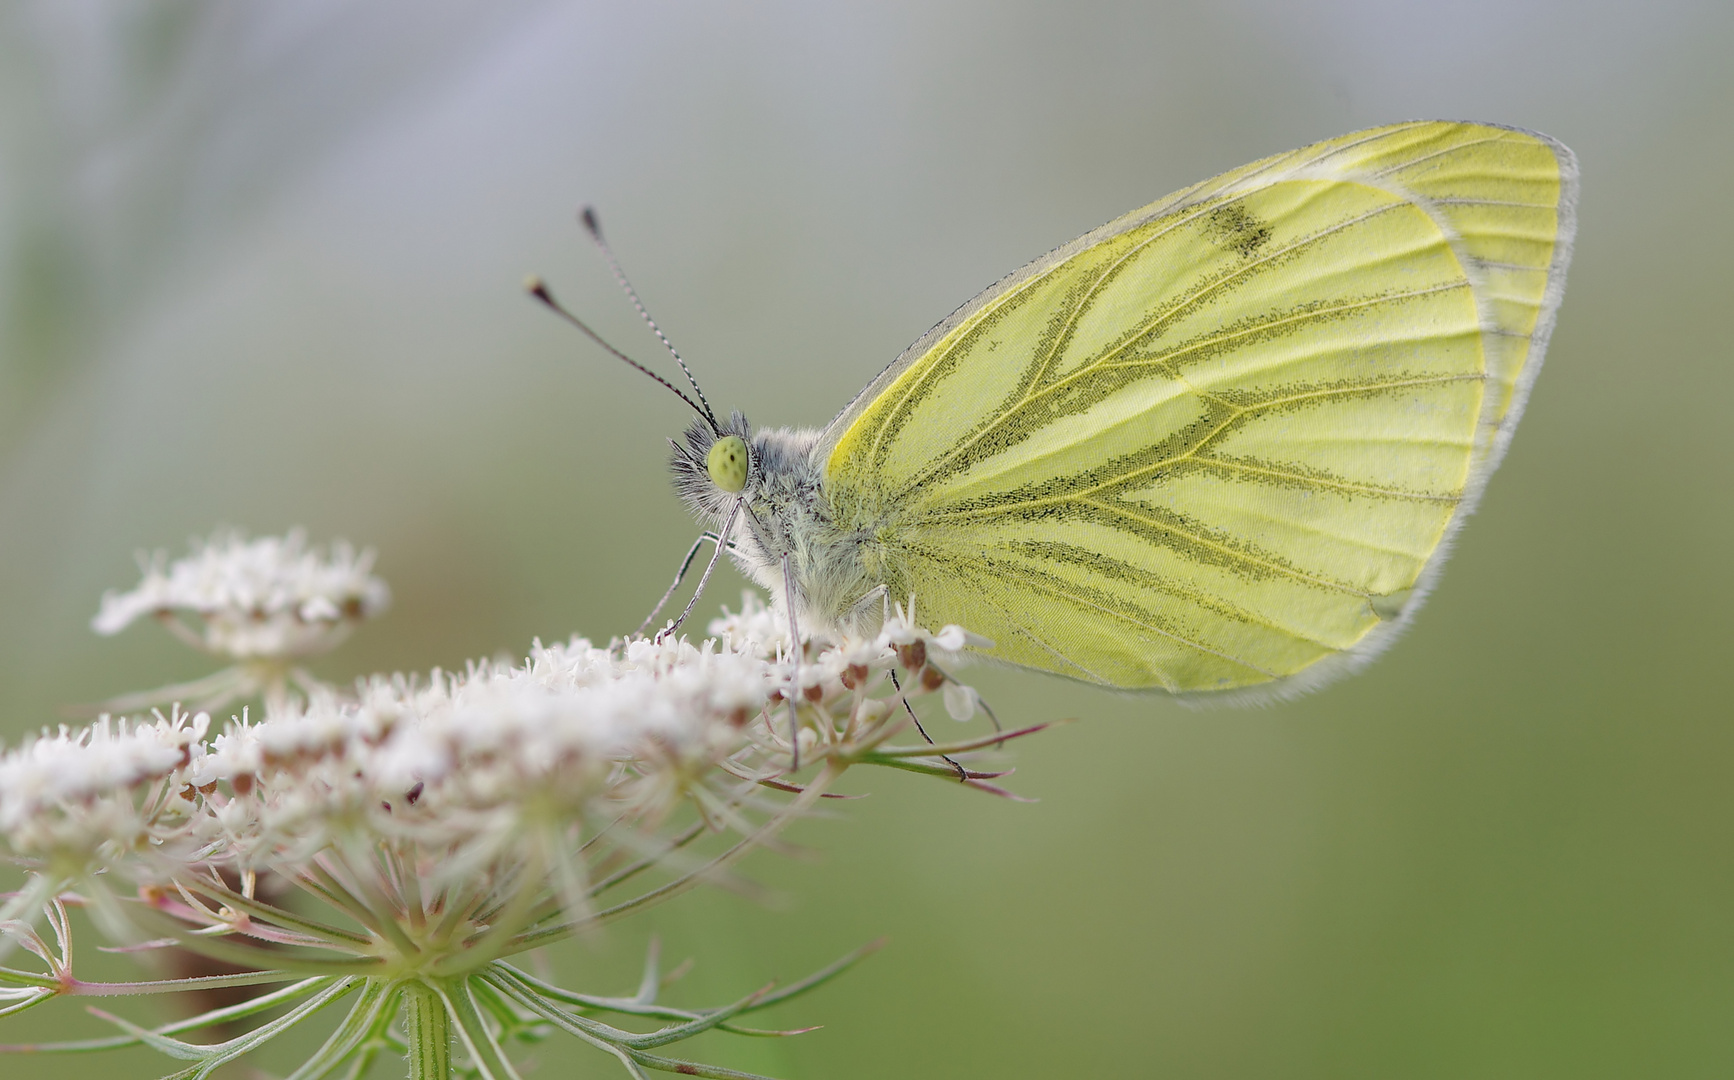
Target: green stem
(76,987)
(814,790)
(430,1033)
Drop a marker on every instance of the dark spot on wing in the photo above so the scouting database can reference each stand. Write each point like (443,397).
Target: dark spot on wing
(1237,228)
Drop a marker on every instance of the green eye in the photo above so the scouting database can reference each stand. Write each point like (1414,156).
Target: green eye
(727,462)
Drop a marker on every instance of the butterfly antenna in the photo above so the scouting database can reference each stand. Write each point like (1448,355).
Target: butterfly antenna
(594,228)
(536,287)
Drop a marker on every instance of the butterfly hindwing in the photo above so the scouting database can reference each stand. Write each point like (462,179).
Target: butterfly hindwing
(1223,439)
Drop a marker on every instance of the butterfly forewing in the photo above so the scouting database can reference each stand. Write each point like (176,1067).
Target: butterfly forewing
(1224,438)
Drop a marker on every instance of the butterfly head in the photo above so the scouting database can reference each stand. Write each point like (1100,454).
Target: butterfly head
(713,467)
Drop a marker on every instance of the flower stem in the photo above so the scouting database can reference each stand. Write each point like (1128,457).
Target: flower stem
(430,1033)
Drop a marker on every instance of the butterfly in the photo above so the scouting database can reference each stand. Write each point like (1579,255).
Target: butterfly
(1219,444)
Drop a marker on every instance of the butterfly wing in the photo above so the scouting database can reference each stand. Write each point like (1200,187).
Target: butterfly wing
(1222,441)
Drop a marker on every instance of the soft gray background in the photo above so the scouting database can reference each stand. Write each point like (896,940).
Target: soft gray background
(260,265)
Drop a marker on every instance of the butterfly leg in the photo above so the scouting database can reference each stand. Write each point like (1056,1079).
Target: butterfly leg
(795,656)
(875,595)
(980,702)
(721,541)
(679,576)
(962,773)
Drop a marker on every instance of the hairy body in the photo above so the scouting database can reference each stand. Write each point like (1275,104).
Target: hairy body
(839,563)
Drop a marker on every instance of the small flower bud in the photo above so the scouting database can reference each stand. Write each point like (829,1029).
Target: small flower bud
(913,656)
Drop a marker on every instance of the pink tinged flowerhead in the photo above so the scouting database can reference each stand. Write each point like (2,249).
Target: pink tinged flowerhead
(268,598)
(75,789)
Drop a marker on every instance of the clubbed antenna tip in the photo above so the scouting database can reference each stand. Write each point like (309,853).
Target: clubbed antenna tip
(537,288)
(588,216)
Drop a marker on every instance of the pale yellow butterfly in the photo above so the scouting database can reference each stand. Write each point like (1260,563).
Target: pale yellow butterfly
(1219,443)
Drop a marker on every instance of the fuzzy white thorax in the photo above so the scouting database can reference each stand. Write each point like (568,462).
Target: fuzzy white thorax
(837,564)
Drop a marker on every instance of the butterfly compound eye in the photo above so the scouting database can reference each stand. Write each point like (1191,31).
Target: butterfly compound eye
(727,462)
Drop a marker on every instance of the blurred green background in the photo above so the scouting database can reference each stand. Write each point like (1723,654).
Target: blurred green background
(260,265)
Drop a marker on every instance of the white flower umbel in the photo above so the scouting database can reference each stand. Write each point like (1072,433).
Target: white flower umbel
(264,605)
(436,827)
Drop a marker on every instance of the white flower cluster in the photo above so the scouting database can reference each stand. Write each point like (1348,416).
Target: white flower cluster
(70,795)
(271,597)
(446,822)
(480,765)
(467,777)
(466,765)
